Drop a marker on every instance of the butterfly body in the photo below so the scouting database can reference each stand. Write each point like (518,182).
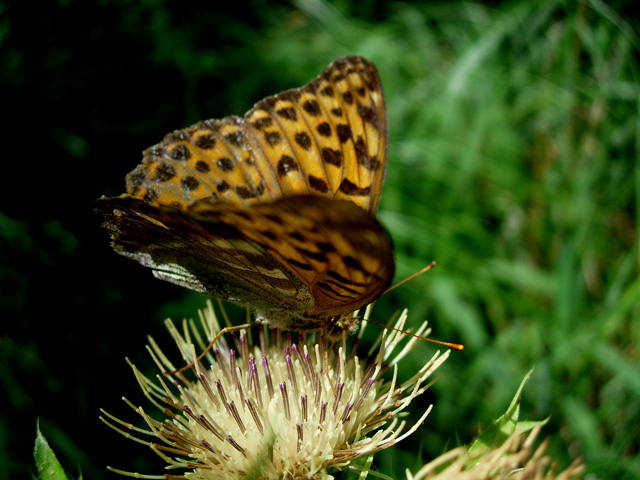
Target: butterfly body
(275,210)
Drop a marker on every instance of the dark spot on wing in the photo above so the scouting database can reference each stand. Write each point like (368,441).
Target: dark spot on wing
(164,172)
(311,107)
(344,133)
(324,129)
(319,257)
(303,139)
(325,247)
(263,122)
(180,153)
(150,196)
(286,164)
(202,167)
(288,113)
(272,138)
(234,138)
(350,188)
(206,142)
(190,183)
(334,157)
(300,265)
(317,184)
(225,164)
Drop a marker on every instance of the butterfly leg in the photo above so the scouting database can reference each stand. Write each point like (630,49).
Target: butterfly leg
(228,329)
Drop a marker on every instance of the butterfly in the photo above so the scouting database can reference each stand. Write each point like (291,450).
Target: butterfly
(275,210)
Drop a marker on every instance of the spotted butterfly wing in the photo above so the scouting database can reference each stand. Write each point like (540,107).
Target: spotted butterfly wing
(274,210)
(326,138)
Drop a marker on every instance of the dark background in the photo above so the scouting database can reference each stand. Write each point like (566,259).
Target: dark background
(513,163)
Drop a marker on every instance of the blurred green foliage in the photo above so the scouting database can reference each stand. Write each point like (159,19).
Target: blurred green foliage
(513,163)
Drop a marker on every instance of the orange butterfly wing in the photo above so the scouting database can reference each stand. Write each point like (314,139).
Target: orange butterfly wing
(326,138)
(273,210)
(295,259)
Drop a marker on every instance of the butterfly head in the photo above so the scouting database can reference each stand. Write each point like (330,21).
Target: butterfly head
(338,325)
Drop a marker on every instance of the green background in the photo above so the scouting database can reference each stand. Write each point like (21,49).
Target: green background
(513,163)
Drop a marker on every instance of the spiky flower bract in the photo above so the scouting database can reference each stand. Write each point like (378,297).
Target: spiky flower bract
(514,459)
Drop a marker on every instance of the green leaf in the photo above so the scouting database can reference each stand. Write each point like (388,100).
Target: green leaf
(366,470)
(364,473)
(506,424)
(48,466)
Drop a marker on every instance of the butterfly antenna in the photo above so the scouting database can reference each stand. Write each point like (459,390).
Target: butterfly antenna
(455,346)
(420,272)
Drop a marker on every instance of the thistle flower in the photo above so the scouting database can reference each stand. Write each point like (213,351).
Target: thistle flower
(280,410)
(515,459)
